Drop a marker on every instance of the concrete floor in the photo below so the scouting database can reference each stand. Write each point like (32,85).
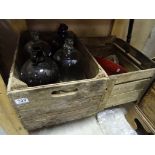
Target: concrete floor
(109,122)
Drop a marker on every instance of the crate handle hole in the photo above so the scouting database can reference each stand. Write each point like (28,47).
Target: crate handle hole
(64,92)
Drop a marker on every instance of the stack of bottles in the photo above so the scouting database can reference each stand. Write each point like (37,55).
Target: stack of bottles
(54,62)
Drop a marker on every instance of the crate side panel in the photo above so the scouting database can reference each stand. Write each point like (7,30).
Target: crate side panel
(147,105)
(123,98)
(133,76)
(50,119)
(77,96)
(130,86)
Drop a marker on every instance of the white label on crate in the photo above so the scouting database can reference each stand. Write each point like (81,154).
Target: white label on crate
(21,101)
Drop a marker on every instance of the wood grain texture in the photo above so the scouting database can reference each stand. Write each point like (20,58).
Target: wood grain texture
(9,120)
(34,123)
(129,86)
(134,76)
(134,113)
(105,98)
(78,95)
(123,98)
(147,105)
(144,111)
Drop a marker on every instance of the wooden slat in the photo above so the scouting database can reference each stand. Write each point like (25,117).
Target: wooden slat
(129,86)
(49,119)
(5,122)
(41,98)
(147,105)
(146,120)
(123,98)
(57,108)
(133,76)
(105,98)
(9,119)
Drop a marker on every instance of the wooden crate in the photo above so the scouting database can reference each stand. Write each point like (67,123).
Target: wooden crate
(147,104)
(144,111)
(138,120)
(77,99)
(127,87)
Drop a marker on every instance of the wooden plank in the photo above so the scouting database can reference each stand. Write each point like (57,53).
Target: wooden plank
(133,76)
(57,108)
(123,98)
(9,119)
(74,96)
(147,105)
(49,119)
(105,97)
(147,121)
(71,92)
(133,113)
(5,122)
(130,86)
(120,28)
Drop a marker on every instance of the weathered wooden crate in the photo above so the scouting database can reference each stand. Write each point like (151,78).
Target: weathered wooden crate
(143,112)
(127,87)
(70,100)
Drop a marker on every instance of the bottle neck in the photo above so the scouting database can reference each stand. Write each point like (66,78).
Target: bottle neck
(37,56)
(35,36)
(62,30)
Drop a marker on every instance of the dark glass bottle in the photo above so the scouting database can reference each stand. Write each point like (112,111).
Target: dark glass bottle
(39,70)
(70,62)
(36,42)
(60,36)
